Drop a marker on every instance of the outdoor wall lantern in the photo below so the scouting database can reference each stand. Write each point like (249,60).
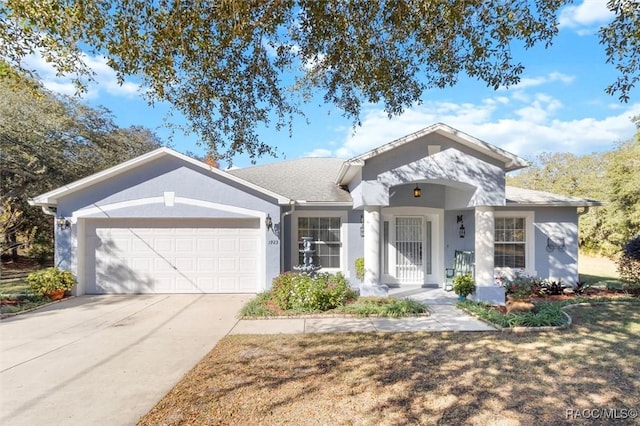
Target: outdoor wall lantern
(63,223)
(362,225)
(417,192)
(461,231)
(268,222)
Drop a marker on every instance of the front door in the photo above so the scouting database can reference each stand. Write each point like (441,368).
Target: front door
(413,262)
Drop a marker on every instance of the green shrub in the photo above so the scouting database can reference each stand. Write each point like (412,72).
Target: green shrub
(257,307)
(522,286)
(384,307)
(360,268)
(463,285)
(50,280)
(544,314)
(629,265)
(301,292)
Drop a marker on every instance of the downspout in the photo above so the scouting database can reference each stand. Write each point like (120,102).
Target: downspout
(292,204)
(584,211)
(47,210)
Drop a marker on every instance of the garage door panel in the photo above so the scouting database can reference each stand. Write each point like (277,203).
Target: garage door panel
(227,284)
(208,244)
(185,245)
(205,265)
(123,257)
(227,264)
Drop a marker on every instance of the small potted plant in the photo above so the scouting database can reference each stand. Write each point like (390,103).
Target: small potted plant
(51,282)
(463,286)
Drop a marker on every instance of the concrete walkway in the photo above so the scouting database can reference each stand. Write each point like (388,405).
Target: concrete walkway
(444,317)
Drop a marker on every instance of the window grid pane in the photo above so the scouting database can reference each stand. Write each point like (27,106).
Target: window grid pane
(325,234)
(510,242)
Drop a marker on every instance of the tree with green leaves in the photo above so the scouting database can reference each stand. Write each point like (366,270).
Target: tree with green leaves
(47,141)
(233,66)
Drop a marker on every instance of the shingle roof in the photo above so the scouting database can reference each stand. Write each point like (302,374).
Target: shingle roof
(313,180)
(309,179)
(530,197)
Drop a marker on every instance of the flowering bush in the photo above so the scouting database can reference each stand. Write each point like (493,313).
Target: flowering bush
(522,286)
(50,280)
(301,292)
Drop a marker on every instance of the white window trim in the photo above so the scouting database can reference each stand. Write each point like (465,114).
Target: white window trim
(530,259)
(344,226)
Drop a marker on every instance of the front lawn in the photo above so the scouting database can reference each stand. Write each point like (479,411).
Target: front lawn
(417,378)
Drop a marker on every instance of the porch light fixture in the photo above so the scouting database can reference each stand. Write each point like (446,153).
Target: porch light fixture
(461,231)
(417,192)
(63,223)
(268,222)
(362,225)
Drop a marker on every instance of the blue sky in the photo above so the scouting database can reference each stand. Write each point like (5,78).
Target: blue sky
(559,106)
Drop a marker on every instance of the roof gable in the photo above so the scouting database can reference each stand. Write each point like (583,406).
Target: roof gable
(511,161)
(50,198)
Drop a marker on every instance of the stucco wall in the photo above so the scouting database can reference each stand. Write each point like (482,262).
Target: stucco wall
(167,174)
(560,225)
(478,178)
(452,238)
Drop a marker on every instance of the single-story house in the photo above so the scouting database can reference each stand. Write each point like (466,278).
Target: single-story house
(166,223)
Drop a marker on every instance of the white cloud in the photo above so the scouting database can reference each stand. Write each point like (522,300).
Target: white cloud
(105,78)
(319,152)
(524,127)
(377,129)
(528,82)
(585,16)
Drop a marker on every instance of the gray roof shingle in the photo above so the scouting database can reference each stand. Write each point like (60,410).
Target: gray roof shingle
(530,197)
(309,179)
(312,179)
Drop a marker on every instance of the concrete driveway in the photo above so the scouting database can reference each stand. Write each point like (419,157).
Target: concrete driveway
(105,360)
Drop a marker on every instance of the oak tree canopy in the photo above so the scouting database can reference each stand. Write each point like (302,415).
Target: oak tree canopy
(233,66)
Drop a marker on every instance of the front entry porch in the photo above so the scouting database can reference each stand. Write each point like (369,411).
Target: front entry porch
(408,248)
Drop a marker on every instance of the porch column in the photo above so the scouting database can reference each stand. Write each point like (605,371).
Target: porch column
(486,289)
(371,285)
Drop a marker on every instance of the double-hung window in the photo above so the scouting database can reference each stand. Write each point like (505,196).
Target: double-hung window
(325,234)
(510,242)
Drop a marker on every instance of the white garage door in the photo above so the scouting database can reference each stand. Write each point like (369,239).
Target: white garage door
(172,256)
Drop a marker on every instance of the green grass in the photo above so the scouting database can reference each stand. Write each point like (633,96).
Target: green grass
(25,302)
(18,290)
(12,287)
(544,314)
(262,306)
(599,271)
(383,307)
(257,307)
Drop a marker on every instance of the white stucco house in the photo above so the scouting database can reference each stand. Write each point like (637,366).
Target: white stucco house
(166,223)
